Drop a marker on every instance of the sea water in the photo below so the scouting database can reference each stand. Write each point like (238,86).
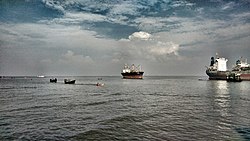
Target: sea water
(155,108)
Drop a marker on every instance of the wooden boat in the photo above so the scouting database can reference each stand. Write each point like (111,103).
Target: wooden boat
(53,80)
(69,81)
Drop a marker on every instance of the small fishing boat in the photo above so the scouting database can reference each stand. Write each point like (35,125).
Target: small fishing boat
(69,81)
(53,80)
(99,84)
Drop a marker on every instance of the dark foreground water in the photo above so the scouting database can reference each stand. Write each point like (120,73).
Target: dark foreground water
(156,108)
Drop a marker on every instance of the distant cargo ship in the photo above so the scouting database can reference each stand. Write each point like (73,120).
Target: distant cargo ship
(242,68)
(218,69)
(132,72)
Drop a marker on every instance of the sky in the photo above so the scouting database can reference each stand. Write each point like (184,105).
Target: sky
(97,37)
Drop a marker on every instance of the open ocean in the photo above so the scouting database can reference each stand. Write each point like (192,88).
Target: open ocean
(152,109)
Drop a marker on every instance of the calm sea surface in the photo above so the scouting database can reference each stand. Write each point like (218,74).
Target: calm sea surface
(155,108)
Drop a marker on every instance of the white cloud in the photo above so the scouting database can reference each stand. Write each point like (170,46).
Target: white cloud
(228,6)
(117,12)
(125,7)
(80,17)
(151,23)
(206,31)
(144,46)
(140,35)
(195,36)
(164,48)
(240,17)
(181,4)
(54,5)
(53,35)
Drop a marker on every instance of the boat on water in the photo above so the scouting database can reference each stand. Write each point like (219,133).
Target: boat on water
(218,69)
(242,68)
(132,72)
(99,84)
(69,81)
(53,80)
(40,76)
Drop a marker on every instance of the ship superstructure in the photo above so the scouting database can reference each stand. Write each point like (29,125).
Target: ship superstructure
(132,72)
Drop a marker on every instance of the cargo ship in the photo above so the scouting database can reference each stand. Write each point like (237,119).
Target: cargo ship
(242,68)
(218,69)
(132,72)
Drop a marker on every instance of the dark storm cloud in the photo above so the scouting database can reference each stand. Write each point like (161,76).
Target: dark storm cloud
(97,37)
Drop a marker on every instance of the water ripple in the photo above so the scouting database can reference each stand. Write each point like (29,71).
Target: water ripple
(150,109)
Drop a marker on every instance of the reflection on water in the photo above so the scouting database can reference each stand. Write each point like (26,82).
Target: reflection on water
(222,95)
(244,86)
(221,87)
(222,104)
(230,106)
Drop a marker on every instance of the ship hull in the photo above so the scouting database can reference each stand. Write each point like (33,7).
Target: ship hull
(244,75)
(217,75)
(132,75)
(222,75)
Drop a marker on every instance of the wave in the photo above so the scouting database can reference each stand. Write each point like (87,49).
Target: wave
(6,88)
(94,134)
(25,87)
(244,132)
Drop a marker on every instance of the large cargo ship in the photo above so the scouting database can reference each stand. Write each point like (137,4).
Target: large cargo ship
(132,72)
(218,69)
(242,68)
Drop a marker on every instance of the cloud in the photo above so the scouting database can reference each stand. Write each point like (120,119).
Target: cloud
(52,36)
(182,4)
(140,35)
(75,63)
(54,5)
(228,6)
(129,13)
(91,34)
(125,7)
(71,58)
(240,18)
(69,63)
(144,46)
(76,18)
(153,24)
(164,48)
(75,11)
(55,48)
